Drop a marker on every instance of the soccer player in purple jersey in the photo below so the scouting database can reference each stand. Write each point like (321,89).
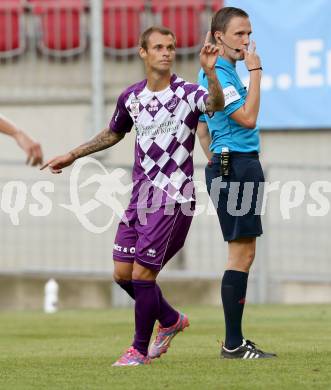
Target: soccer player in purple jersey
(30,147)
(164,110)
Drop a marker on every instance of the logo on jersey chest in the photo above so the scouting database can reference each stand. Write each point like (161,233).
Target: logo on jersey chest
(134,107)
(172,104)
(153,106)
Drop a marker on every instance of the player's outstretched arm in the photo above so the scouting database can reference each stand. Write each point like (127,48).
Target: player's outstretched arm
(208,57)
(101,141)
(30,147)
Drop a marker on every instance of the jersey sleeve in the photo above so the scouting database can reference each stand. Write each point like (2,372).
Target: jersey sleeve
(121,121)
(196,97)
(202,118)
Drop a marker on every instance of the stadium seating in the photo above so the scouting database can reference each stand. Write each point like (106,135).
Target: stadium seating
(12,41)
(216,5)
(122,25)
(59,26)
(182,17)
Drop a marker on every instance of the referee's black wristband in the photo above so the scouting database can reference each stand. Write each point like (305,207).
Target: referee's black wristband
(251,70)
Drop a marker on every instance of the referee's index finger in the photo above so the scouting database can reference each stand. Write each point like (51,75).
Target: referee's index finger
(253,46)
(208,38)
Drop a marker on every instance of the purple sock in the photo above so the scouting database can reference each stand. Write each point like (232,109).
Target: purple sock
(146,312)
(168,316)
(126,286)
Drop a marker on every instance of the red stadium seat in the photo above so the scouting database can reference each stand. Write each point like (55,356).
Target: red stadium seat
(183,18)
(12,41)
(122,25)
(59,26)
(216,5)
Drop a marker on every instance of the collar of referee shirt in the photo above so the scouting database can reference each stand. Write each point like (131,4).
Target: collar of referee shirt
(223,63)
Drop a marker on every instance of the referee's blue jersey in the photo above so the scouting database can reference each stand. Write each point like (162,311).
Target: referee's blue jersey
(225,132)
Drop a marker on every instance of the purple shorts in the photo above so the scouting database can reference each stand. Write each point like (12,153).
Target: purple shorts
(154,241)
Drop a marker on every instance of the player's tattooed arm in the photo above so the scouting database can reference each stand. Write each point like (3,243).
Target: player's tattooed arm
(215,100)
(101,141)
(208,57)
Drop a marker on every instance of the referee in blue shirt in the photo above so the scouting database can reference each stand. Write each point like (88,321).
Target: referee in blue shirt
(230,139)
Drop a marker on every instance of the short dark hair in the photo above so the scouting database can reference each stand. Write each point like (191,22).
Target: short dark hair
(147,33)
(222,18)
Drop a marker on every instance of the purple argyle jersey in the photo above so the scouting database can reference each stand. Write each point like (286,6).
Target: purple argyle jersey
(165,123)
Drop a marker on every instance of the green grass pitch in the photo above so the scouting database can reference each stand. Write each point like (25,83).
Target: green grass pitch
(75,349)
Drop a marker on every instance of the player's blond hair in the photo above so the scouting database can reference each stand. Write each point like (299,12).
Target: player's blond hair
(147,33)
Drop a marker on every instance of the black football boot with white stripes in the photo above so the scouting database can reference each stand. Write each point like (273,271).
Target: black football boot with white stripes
(247,350)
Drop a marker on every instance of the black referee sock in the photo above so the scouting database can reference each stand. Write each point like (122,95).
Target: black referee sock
(233,291)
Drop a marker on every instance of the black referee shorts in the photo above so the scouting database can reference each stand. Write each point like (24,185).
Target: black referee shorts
(238,196)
